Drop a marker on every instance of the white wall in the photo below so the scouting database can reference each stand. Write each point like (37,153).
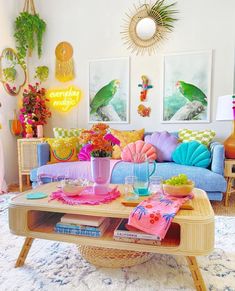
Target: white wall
(93,28)
(8,10)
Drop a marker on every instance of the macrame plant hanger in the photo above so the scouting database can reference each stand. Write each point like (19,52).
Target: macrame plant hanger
(30,8)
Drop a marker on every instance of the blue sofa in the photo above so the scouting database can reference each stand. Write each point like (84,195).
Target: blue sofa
(211,179)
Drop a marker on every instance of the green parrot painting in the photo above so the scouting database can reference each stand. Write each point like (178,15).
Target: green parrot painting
(104,96)
(191,92)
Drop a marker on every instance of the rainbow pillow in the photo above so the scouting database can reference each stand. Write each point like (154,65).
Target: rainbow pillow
(62,149)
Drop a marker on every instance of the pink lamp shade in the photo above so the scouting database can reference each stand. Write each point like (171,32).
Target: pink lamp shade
(226,111)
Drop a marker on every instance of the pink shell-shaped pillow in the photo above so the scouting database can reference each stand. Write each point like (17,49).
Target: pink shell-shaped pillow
(138,147)
(165,143)
(85,153)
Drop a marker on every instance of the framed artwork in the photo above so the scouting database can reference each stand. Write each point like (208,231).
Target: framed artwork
(186,88)
(109,90)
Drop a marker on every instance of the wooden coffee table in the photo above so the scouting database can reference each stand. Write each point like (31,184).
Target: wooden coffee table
(191,236)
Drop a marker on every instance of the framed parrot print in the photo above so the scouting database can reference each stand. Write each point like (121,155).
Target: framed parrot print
(186,88)
(109,90)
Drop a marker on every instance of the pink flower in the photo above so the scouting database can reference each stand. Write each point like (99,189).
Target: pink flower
(112,139)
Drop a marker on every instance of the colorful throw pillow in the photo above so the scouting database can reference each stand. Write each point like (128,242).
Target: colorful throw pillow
(62,149)
(165,143)
(64,132)
(138,147)
(125,138)
(204,137)
(192,153)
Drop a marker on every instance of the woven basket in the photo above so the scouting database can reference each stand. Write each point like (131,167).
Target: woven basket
(113,258)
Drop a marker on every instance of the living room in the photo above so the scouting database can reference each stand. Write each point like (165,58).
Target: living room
(153,70)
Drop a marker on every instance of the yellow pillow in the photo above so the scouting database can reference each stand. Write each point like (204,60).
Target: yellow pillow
(62,149)
(125,138)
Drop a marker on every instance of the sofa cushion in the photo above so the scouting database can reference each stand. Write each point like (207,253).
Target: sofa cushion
(62,149)
(64,132)
(192,153)
(125,137)
(138,147)
(203,178)
(165,144)
(205,136)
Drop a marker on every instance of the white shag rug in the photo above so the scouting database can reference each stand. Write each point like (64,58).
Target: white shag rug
(58,266)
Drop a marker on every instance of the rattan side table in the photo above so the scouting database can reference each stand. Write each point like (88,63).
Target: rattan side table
(229,174)
(27,157)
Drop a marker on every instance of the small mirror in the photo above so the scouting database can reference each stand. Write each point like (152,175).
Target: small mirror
(12,73)
(146,28)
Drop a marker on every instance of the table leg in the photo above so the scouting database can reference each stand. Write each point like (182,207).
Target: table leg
(24,252)
(21,182)
(229,189)
(28,180)
(196,274)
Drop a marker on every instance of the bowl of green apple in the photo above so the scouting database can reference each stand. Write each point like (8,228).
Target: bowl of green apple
(179,186)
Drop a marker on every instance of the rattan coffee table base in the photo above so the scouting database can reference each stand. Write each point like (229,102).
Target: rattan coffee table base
(113,258)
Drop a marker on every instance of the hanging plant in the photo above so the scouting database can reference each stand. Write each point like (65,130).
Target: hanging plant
(41,73)
(9,74)
(29,30)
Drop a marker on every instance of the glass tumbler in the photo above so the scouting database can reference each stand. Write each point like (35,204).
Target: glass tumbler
(128,188)
(155,184)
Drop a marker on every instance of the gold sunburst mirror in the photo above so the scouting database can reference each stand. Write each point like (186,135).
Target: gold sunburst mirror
(147,24)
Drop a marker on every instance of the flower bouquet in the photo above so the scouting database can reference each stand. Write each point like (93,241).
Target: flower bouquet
(99,144)
(35,110)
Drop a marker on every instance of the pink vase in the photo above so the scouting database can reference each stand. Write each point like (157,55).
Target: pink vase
(40,131)
(100,171)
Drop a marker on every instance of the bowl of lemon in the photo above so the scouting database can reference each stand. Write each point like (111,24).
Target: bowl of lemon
(179,186)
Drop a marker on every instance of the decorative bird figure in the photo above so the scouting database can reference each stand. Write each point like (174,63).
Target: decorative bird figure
(145,87)
(104,96)
(191,92)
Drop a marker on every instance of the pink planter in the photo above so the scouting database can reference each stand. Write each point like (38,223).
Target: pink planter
(100,171)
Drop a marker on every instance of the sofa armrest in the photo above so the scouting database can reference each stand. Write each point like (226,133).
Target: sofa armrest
(217,157)
(43,151)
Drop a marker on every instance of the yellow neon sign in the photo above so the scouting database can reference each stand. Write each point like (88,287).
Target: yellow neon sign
(64,99)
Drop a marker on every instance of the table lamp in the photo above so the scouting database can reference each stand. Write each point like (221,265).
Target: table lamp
(226,111)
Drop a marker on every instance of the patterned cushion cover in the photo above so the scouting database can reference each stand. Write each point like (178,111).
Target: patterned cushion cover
(204,136)
(125,138)
(64,132)
(62,149)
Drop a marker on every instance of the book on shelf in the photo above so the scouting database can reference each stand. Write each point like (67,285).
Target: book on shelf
(138,240)
(124,230)
(66,228)
(82,219)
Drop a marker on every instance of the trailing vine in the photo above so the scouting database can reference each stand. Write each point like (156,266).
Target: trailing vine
(29,30)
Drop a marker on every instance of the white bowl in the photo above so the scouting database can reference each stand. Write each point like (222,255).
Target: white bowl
(72,190)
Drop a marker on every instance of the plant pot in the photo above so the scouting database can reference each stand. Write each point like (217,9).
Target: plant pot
(100,171)
(40,131)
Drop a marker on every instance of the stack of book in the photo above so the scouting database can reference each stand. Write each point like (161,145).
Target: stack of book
(126,233)
(82,225)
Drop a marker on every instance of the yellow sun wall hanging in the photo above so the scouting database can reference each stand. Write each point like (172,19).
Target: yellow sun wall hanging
(64,99)
(64,70)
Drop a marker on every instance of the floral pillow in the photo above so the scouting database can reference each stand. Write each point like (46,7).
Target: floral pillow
(62,149)
(125,137)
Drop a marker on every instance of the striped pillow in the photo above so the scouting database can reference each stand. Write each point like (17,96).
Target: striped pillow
(204,137)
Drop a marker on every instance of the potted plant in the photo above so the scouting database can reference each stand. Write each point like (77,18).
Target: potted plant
(29,30)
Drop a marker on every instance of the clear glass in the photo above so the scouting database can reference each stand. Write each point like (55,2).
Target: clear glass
(129,188)
(155,184)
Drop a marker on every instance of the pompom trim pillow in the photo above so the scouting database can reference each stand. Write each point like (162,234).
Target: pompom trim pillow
(62,149)
(125,138)
(192,153)
(138,147)
(204,137)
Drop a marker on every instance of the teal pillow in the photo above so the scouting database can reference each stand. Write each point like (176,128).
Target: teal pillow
(192,153)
